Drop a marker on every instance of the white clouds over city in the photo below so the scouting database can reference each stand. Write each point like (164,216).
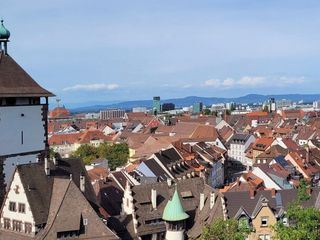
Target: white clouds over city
(253,82)
(92,87)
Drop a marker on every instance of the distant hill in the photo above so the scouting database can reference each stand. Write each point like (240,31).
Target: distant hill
(188,101)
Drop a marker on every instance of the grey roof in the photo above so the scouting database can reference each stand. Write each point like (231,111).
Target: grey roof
(240,138)
(15,82)
(156,169)
(190,188)
(173,162)
(68,210)
(236,200)
(38,186)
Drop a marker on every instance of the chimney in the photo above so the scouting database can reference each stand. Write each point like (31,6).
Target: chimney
(54,161)
(273,193)
(169,181)
(46,167)
(212,199)
(70,176)
(252,193)
(82,182)
(154,198)
(201,205)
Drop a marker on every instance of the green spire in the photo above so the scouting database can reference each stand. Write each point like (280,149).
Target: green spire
(4,33)
(174,210)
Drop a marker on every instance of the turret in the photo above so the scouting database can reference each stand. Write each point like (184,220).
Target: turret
(4,37)
(175,217)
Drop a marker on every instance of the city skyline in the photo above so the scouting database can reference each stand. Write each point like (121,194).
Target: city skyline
(120,50)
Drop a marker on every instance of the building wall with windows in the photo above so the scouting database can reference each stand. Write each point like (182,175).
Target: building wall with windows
(262,224)
(237,150)
(111,114)
(156,105)
(16,209)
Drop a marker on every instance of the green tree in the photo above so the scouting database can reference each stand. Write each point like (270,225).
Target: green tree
(207,111)
(117,154)
(87,153)
(302,191)
(304,223)
(225,230)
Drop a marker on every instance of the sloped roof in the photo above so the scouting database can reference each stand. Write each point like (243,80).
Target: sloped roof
(66,214)
(16,82)
(204,131)
(38,186)
(236,200)
(174,210)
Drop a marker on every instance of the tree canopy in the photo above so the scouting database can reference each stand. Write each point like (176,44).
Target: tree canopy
(225,230)
(116,154)
(304,223)
(87,153)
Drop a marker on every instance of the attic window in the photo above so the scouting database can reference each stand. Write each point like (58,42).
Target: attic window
(16,189)
(186,194)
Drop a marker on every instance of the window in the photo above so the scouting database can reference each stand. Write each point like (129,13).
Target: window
(21,137)
(22,208)
(16,225)
(264,221)
(12,206)
(27,227)
(6,223)
(264,237)
(10,101)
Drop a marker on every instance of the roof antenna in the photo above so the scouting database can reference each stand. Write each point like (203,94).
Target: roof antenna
(58,100)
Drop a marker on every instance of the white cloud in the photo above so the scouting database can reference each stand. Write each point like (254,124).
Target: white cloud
(212,82)
(292,80)
(229,82)
(253,82)
(187,86)
(92,87)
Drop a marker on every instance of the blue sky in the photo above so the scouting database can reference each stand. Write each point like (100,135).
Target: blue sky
(105,50)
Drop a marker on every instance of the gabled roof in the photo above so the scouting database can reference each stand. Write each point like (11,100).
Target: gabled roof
(66,214)
(38,186)
(15,82)
(235,200)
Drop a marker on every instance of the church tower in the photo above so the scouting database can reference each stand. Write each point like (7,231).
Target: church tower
(175,218)
(23,115)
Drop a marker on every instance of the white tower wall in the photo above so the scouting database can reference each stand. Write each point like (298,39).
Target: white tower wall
(175,235)
(22,129)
